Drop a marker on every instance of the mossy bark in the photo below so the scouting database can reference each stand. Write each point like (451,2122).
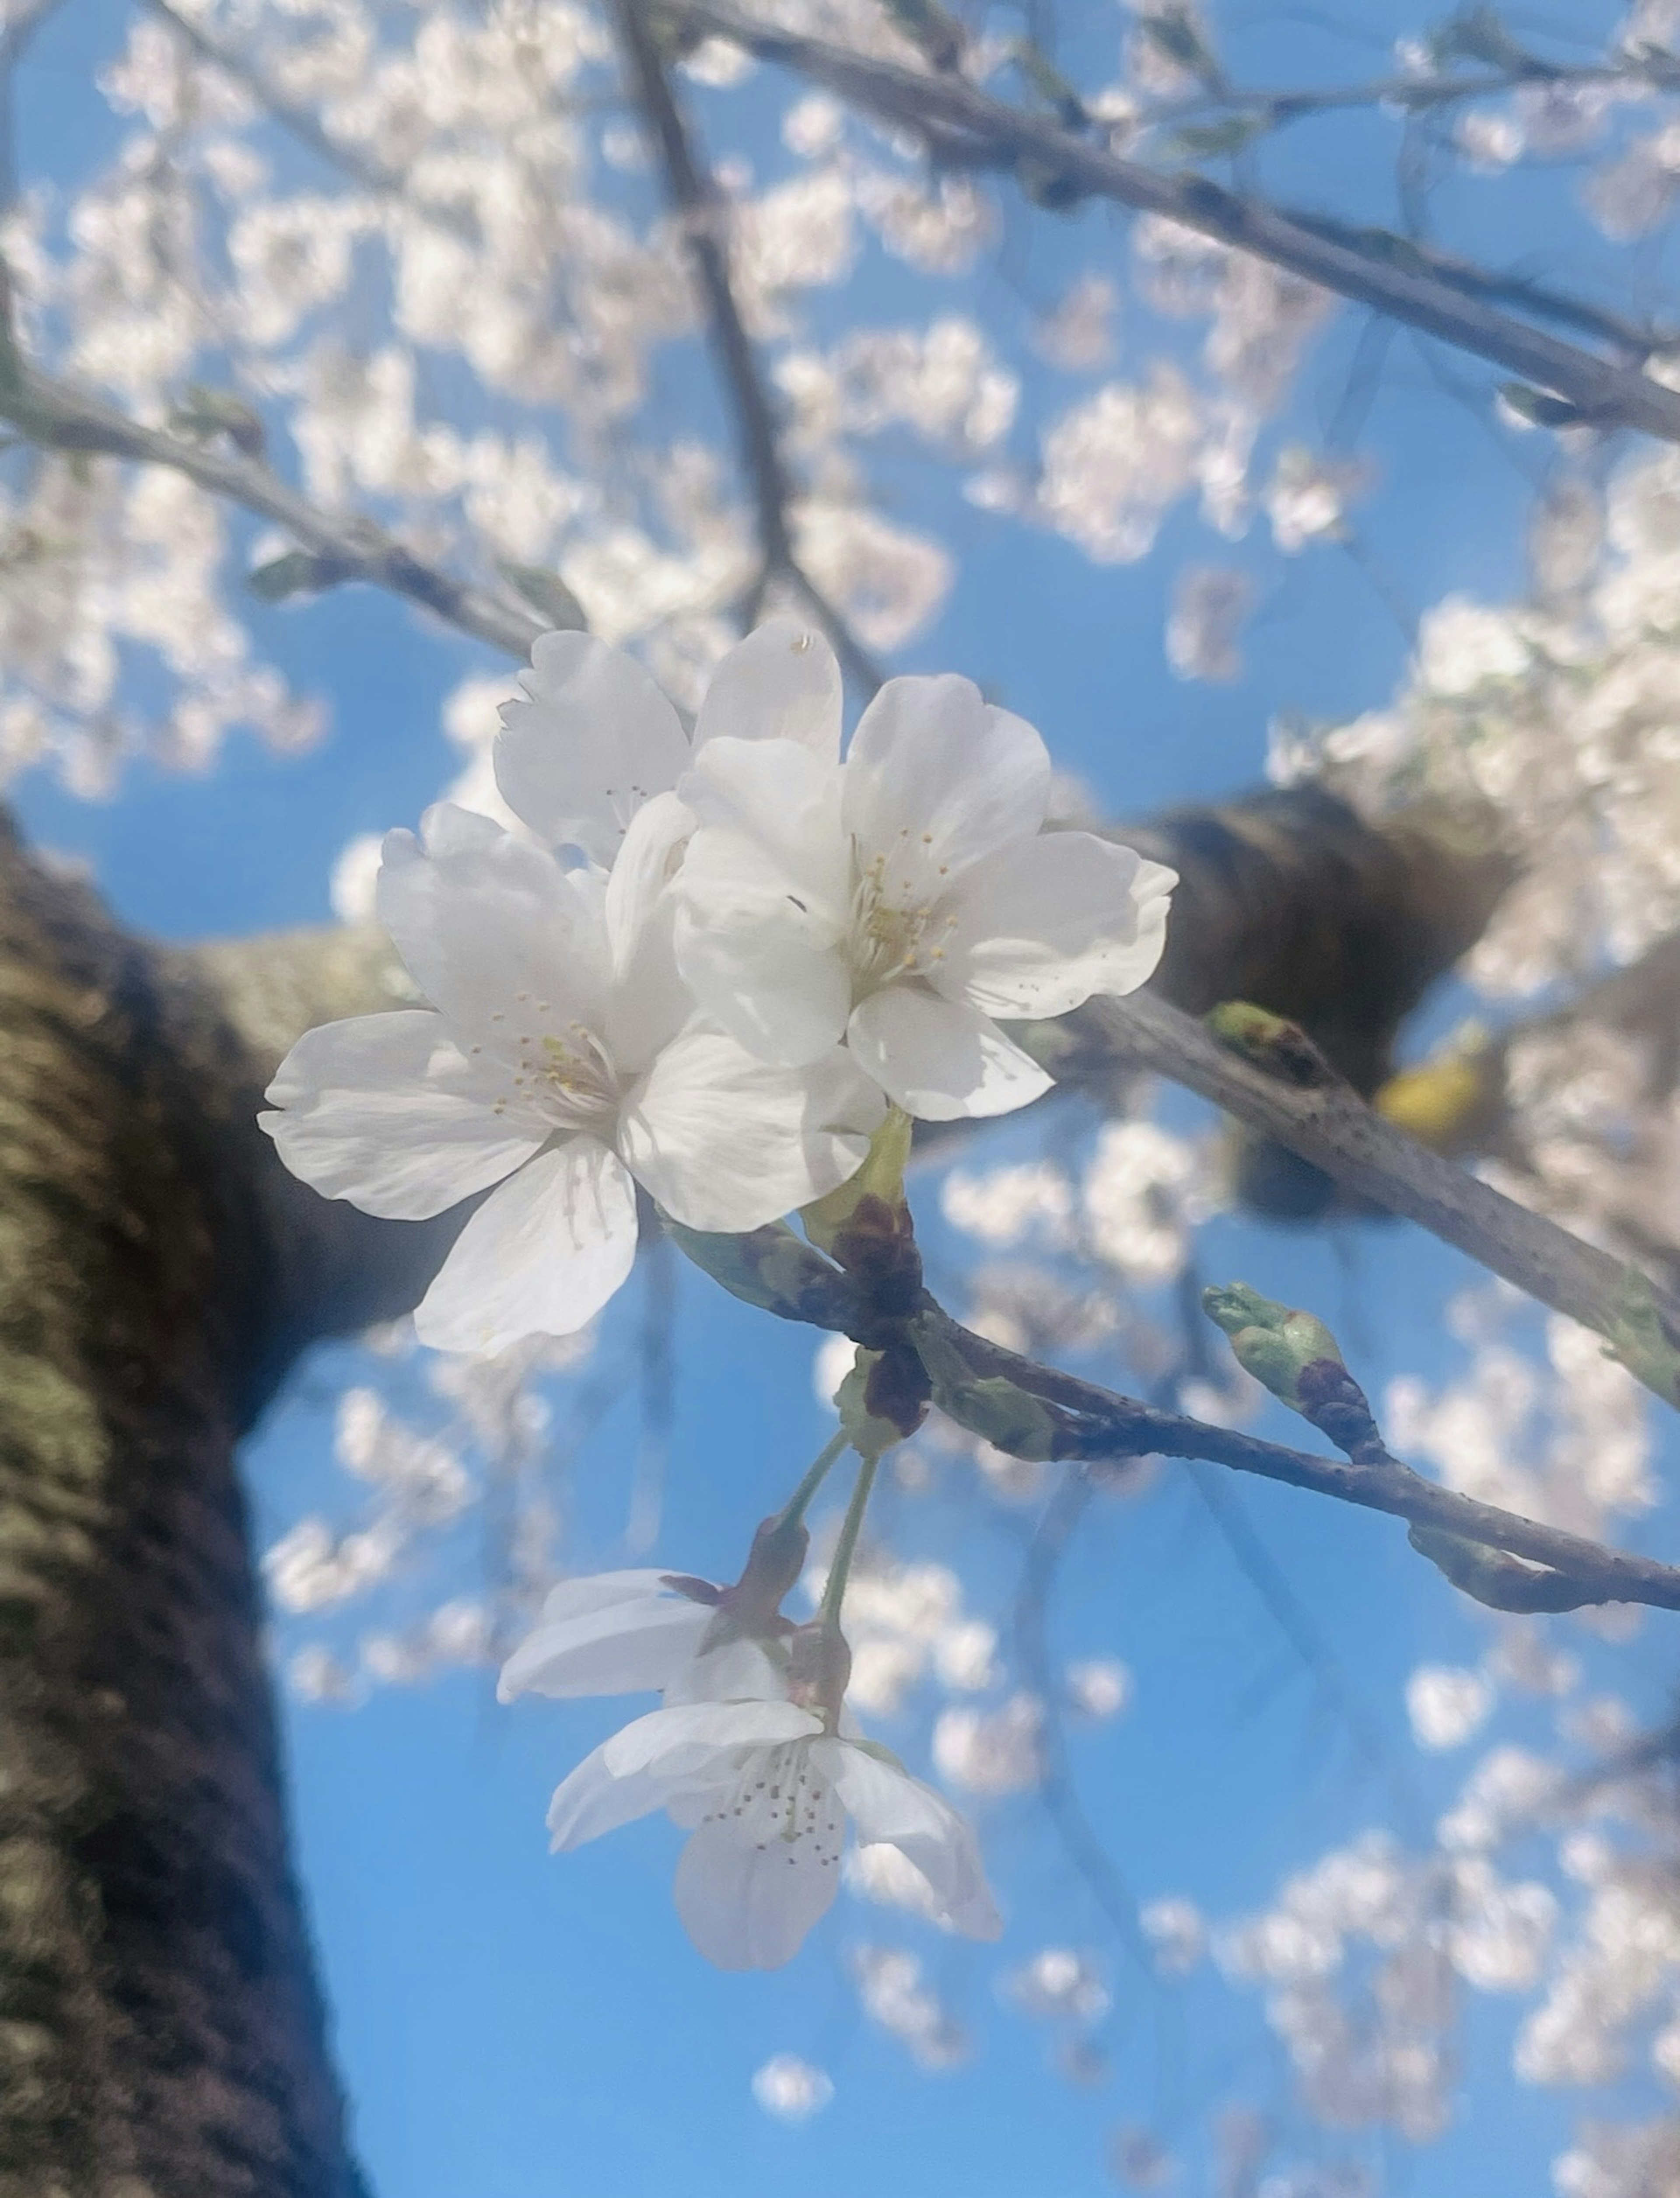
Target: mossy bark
(160,2032)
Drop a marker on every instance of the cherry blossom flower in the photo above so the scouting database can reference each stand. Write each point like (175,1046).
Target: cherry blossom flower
(641,1630)
(560,1061)
(611,1633)
(898,901)
(765,1791)
(593,739)
(903,899)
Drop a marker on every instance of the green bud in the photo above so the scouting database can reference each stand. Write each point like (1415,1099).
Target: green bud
(1271,1341)
(1295,1356)
(1271,1041)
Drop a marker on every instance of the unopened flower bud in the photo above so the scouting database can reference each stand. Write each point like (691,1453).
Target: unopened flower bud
(1295,1356)
(773,1564)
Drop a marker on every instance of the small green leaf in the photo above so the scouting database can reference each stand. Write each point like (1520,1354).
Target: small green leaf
(989,1405)
(1643,1336)
(547,594)
(1476,34)
(770,1268)
(297,572)
(1172,33)
(205,412)
(1541,408)
(1208,141)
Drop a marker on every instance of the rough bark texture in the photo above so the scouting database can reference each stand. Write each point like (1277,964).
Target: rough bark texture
(1289,900)
(160,2033)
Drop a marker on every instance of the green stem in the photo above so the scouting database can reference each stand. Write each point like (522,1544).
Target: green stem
(792,1514)
(833,1593)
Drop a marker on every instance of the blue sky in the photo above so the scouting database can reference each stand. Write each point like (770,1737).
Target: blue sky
(512,2026)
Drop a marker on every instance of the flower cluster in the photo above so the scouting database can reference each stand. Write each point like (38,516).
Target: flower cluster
(762,1768)
(757,946)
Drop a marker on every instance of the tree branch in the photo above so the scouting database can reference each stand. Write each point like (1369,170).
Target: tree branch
(961,123)
(1038,1412)
(1327,1123)
(362,166)
(1092,1424)
(345,546)
(703,216)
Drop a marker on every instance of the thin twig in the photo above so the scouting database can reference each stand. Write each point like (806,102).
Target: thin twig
(347,547)
(1328,1123)
(704,214)
(958,122)
(359,164)
(1092,1424)
(1039,1412)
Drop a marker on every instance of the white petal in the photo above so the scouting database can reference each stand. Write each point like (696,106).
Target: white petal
(890,1808)
(480,921)
(447,828)
(644,867)
(935,779)
(387,1112)
(675,1741)
(748,1906)
(764,897)
(786,802)
(626,1650)
(540,1257)
(940,1059)
(1042,925)
(592,1800)
(601,1591)
(782,682)
(726,1142)
(651,1002)
(754,966)
(595,739)
(735,1672)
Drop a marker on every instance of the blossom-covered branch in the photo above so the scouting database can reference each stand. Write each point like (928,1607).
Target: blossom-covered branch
(965,125)
(337,548)
(360,164)
(704,217)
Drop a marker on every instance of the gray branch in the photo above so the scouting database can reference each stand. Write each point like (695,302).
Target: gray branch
(703,214)
(959,122)
(345,546)
(1326,1122)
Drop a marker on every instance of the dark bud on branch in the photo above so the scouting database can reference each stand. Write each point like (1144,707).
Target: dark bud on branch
(1295,1356)
(1272,1043)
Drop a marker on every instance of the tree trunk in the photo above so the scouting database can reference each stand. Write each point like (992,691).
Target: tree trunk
(161,2035)
(160,2030)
